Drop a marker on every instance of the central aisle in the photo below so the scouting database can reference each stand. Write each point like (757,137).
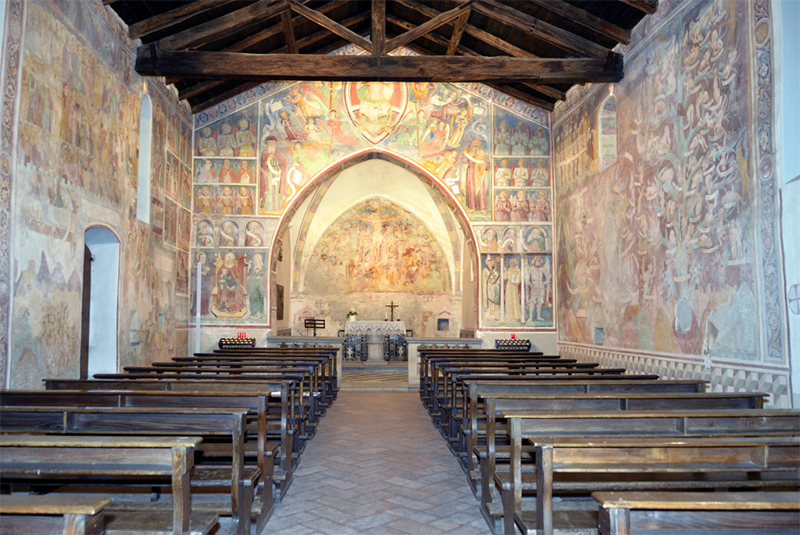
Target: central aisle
(377,465)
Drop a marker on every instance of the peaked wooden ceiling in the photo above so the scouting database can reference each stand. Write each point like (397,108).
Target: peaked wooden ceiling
(535,50)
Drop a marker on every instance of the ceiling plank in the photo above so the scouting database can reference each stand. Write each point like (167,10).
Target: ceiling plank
(566,41)
(475,32)
(378,34)
(202,87)
(549,106)
(427,27)
(288,32)
(214,29)
(195,64)
(458,31)
(441,41)
(586,19)
(172,17)
(331,25)
(646,6)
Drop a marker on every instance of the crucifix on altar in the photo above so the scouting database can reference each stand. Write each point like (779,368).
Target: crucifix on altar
(391,307)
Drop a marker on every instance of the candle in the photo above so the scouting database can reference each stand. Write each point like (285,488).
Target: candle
(385,315)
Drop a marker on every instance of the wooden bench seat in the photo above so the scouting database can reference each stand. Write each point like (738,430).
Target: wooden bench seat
(722,513)
(471,405)
(737,439)
(496,431)
(212,425)
(444,387)
(45,458)
(51,514)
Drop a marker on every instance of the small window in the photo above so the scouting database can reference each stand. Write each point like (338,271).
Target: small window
(608,132)
(443,324)
(143,170)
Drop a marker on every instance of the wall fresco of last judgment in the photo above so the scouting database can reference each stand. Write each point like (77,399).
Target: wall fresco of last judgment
(668,265)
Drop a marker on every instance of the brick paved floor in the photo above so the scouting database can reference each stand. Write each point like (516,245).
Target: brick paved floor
(377,465)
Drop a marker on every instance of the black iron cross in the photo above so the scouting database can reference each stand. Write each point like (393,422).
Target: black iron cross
(392,307)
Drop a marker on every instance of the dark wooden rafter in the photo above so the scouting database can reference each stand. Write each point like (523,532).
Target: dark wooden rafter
(475,32)
(263,35)
(303,42)
(526,52)
(288,32)
(463,50)
(207,32)
(331,25)
(645,6)
(566,41)
(172,17)
(427,27)
(261,67)
(585,19)
(378,33)
(458,31)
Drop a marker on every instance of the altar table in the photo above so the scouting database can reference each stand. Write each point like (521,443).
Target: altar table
(374,331)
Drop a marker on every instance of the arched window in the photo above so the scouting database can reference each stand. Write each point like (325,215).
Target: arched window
(143,171)
(607,124)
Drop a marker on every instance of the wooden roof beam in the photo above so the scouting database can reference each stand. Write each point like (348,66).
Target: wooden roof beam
(151,61)
(475,32)
(585,19)
(265,34)
(458,31)
(234,21)
(645,6)
(427,27)
(378,34)
(441,41)
(549,106)
(331,25)
(202,87)
(172,17)
(288,32)
(566,41)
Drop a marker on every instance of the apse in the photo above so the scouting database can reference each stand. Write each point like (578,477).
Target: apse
(376,234)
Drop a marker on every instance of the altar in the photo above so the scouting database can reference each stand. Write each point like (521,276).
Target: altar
(375,333)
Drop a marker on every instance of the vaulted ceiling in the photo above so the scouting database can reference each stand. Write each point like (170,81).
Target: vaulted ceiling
(535,50)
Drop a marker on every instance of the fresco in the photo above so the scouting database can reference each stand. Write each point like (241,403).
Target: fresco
(233,137)
(449,129)
(516,275)
(377,247)
(666,262)
(233,284)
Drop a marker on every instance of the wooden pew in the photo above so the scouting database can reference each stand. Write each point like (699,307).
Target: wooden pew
(327,365)
(212,424)
(44,458)
(444,388)
(257,403)
(52,514)
(495,432)
(718,513)
(585,437)
(320,384)
(304,400)
(469,389)
(292,405)
(426,366)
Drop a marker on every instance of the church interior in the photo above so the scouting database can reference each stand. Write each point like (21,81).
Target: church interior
(312,211)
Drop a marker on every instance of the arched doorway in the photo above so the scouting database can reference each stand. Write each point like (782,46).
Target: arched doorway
(404,208)
(99,313)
